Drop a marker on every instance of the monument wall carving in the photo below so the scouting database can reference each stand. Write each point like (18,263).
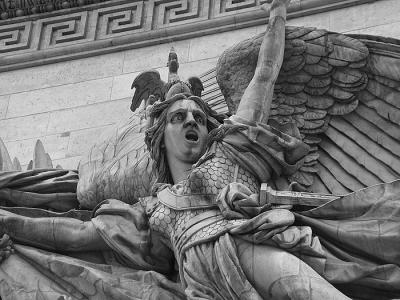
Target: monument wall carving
(121,24)
(293,194)
(41,102)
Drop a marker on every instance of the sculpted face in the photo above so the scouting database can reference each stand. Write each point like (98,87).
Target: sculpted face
(185,134)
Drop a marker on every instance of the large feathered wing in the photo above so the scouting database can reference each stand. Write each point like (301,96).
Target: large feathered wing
(118,166)
(362,148)
(326,82)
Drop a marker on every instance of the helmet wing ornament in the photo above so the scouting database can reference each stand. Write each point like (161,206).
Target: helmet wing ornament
(147,84)
(196,86)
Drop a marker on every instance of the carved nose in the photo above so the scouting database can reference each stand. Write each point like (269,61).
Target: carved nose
(190,121)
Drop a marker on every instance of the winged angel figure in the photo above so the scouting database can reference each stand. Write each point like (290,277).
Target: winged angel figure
(310,110)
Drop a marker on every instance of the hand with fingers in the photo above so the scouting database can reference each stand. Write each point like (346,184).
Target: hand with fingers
(6,247)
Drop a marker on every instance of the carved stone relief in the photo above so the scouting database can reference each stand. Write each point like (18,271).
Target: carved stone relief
(122,24)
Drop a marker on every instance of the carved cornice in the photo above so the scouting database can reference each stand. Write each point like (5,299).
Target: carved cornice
(18,8)
(126,24)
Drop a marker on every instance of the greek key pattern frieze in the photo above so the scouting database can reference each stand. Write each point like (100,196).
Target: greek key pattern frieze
(60,31)
(177,12)
(15,37)
(229,7)
(121,20)
(111,21)
(101,25)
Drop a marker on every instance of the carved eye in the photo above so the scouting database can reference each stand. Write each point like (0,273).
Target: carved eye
(199,119)
(177,117)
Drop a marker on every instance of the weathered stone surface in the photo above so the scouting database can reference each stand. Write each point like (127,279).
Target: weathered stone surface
(4,100)
(121,86)
(70,163)
(153,57)
(73,71)
(60,97)
(364,16)
(81,140)
(196,68)
(320,20)
(388,30)
(89,116)
(24,127)
(213,45)
(56,145)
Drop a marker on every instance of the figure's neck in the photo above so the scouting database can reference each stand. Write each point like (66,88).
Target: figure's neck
(179,169)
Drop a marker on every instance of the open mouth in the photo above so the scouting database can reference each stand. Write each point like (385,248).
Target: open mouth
(191,136)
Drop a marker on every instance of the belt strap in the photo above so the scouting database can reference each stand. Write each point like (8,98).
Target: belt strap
(194,225)
(185,202)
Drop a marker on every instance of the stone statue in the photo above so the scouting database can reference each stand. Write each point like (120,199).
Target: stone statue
(204,232)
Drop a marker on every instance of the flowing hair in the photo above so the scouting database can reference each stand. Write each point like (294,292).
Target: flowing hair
(155,133)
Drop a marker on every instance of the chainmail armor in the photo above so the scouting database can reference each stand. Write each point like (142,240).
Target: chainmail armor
(208,178)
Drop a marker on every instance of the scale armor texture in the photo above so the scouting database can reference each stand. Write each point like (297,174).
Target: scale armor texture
(208,178)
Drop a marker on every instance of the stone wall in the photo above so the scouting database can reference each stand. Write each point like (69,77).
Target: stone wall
(68,104)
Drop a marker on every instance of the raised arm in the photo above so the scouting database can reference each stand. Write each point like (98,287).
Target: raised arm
(256,101)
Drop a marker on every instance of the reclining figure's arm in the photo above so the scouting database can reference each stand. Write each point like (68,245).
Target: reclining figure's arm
(59,233)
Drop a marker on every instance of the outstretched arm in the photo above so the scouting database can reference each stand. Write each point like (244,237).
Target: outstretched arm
(63,234)
(256,101)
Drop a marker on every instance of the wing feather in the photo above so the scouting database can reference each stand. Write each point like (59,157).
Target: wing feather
(300,32)
(344,89)
(5,160)
(391,162)
(119,166)
(41,159)
(335,168)
(384,66)
(383,108)
(384,92)
(377,135)
(379,120)
(360,156)
(329,180)
(16,164)
(318,185)
(333,154)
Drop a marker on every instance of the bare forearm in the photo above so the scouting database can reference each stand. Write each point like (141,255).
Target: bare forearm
(63,234)
(270,57)
(256,101)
